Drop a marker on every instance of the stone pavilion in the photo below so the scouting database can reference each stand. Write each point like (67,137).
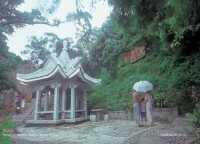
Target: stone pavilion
(61,90)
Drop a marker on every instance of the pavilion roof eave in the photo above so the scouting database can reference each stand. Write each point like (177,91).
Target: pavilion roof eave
(94,81)
(79,71)
(50,74)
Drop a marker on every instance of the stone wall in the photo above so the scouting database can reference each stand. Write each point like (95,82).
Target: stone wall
(123,115)
(165,114)
(160,114)
(5,112)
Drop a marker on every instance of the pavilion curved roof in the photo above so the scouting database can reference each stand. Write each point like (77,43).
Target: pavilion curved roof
(62,64)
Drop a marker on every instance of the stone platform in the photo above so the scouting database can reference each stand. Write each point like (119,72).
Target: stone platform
(44,123)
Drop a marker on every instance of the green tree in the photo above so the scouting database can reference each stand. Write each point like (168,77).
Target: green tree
(38,49)
(106,49)
(10,19)
(170,31)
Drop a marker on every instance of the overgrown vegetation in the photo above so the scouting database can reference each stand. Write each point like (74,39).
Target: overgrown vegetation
(10,19)
(170,31)
(7,128)
(195,116)
(171,83)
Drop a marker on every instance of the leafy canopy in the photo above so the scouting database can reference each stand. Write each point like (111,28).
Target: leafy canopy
(10,19)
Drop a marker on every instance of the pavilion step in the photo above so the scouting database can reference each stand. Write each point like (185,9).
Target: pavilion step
(26,115)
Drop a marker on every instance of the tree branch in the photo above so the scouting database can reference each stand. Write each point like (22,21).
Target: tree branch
(14,22)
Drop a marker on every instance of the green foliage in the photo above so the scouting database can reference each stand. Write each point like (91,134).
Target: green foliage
(106,76)
(8,62)
(36,49)
(10,19)
(108,46)
(81,19)
(6,128)
(38,52)
(171,79)
(170,21)
(170,31)
(115,96)
(160,100)
(195,116)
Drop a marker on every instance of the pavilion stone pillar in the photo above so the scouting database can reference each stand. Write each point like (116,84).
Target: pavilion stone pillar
(63,102)
(77,101)
(85,102)
(37,102)
(56,99)
(72,112)
(46,101)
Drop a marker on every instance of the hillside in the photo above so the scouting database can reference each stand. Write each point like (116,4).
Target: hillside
(173,79)
(170,30)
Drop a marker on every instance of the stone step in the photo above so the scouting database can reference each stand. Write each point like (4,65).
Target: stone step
(26,115)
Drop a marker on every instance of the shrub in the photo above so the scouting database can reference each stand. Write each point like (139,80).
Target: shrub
(195,116)
(160,100)
(7,128)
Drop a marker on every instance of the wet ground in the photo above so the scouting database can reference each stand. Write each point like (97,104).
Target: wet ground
(105,132)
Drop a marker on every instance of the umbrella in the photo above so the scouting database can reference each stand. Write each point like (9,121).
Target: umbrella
(143,86)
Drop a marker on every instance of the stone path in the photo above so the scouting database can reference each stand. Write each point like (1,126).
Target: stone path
(178,132)
(107,132)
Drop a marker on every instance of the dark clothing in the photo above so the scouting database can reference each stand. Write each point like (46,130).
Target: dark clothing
(143,115)
(17,107)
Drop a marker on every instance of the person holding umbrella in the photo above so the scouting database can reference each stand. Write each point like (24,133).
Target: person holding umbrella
(145,87)
(149,105)
(136,107)
(143,111)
